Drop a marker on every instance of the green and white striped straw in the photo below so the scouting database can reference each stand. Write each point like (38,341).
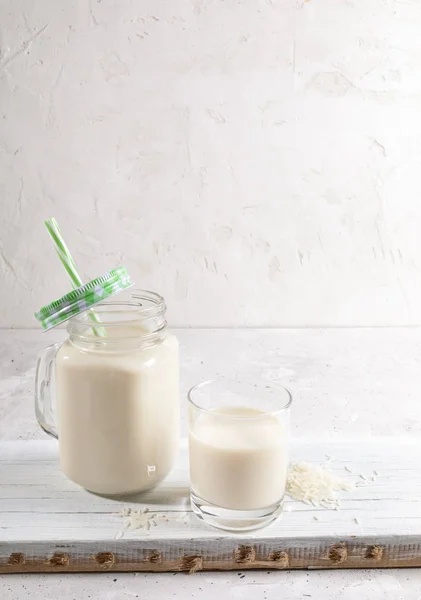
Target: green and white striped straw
(69,264)
(63,252)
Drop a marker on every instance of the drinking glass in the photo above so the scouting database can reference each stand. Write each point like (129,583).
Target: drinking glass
(238,451)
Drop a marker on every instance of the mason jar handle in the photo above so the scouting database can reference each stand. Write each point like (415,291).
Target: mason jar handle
(43,396)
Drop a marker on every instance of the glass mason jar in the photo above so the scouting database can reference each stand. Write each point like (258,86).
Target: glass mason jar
(116,394)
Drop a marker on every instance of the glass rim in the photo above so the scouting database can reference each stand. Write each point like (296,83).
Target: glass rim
(263,415)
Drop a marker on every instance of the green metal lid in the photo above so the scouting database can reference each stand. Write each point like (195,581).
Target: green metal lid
(83,298)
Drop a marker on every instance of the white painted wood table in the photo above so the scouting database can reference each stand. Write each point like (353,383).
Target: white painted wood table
(347,383)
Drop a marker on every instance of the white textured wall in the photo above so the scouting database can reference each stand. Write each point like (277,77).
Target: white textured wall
(256,161)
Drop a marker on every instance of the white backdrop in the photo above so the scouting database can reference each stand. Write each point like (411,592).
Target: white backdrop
(257,162)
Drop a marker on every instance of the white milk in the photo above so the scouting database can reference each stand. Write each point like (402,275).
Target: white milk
(118,413)
(238,463)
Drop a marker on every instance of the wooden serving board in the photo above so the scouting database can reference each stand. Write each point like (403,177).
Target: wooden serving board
(49,524)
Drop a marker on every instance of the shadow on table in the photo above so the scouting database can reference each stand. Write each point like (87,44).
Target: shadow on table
(161,495)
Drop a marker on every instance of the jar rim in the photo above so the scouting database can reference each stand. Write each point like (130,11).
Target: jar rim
(141,305)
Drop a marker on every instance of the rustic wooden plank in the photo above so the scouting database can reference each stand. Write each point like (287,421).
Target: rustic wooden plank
(48,524)
(222,554)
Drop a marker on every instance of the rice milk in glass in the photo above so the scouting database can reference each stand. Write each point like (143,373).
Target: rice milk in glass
(238,451)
